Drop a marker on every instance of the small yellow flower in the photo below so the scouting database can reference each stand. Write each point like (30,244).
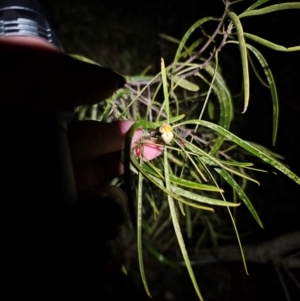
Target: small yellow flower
(166,132)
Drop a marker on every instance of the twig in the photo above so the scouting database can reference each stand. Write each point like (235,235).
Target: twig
(192,58)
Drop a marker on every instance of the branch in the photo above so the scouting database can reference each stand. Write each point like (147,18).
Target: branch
(192,58)
(259,253)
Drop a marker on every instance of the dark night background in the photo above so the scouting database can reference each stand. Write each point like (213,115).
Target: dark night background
(124,35)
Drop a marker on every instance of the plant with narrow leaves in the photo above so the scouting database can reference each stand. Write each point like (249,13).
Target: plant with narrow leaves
(199,157)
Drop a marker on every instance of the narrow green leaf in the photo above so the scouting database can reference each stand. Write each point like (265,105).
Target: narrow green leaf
(205,158)
(225,101)
(257,72)
(202,199)
(192,47)
(211,110)
(189,223)
(191,204)
(266,151)
(235,163)
(178,230)
(194,185)
(245,145)
(159,183)
(182,182)
(165,88)
(242,44)
(83,59)
(188,33)
(188,50)
(189,157)
(270,9)
(270,44)
(175,118)
(256,4)
(184,39)
(134,79)
(272,87)
(185,84)
(236,231)
(229,179)
(139,230)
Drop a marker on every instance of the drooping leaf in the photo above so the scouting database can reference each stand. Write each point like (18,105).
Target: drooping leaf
(242,45)
(272,87)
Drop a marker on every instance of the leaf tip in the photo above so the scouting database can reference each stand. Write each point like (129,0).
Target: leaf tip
(245,109)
